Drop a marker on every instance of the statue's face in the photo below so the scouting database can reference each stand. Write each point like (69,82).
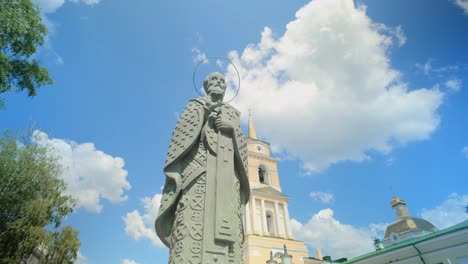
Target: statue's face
(216,83)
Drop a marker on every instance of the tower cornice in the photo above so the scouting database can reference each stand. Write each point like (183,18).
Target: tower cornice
(262,156)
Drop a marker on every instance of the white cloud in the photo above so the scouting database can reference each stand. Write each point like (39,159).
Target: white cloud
(199,37)
(199,56)
(142,226)
(88,2)
(329,83)
(452,211)
(58,59)
(428,69)
(453,84)
(465,151)
(176,115)
(463,4)
(397,32)
(90,174)
(81,259)
(129,261)
(324,231)
(390,160)
(400,35)
(50,6)
(324,197)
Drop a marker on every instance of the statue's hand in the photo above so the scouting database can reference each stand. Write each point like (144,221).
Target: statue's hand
(224,125)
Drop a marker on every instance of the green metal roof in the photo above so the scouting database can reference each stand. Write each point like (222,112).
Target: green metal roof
(415,240)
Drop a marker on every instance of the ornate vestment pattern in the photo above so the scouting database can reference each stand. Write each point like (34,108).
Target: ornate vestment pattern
(190,192)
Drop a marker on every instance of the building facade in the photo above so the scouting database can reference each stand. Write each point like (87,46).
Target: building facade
(405,226)
(446,246)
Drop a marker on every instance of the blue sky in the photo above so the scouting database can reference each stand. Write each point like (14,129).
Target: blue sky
(359,100)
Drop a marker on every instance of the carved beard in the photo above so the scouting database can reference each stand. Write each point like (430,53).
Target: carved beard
(215,97)
(215,88)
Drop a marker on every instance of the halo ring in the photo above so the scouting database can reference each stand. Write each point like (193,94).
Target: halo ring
(222,58)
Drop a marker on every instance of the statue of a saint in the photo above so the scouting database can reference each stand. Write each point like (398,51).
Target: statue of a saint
(206,189)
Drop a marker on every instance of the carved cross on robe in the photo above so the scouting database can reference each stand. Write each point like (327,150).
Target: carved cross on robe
(226,150)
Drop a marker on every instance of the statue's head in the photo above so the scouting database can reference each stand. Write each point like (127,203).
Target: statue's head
(214,82)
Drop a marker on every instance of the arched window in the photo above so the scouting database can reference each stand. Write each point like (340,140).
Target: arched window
(270,223)
(263,174)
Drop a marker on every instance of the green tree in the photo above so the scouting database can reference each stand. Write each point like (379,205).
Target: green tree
(31,198)
(21,32)
(62,247)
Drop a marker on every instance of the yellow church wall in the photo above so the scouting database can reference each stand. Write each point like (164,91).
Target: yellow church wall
(259,247)
(253,147)
(283,223)
(254,162)
(278,214)
(258,217)
(253,172)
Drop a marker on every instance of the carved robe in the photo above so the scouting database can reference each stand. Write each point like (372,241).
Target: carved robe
(206,189)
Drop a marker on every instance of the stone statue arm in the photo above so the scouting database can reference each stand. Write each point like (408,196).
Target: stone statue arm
(184,136)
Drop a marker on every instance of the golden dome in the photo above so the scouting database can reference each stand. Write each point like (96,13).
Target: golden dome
(409,224)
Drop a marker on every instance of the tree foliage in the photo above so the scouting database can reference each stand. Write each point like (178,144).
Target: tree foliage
(21,33)
(32,201)
(62,247)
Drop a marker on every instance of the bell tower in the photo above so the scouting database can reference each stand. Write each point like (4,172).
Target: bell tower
(267,224)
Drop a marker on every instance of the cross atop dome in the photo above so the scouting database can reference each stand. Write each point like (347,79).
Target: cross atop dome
(399,205)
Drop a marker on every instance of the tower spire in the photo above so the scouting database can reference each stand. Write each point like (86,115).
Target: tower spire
(252,132)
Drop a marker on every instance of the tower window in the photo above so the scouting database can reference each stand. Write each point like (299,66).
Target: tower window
(270,223)
(262,174)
